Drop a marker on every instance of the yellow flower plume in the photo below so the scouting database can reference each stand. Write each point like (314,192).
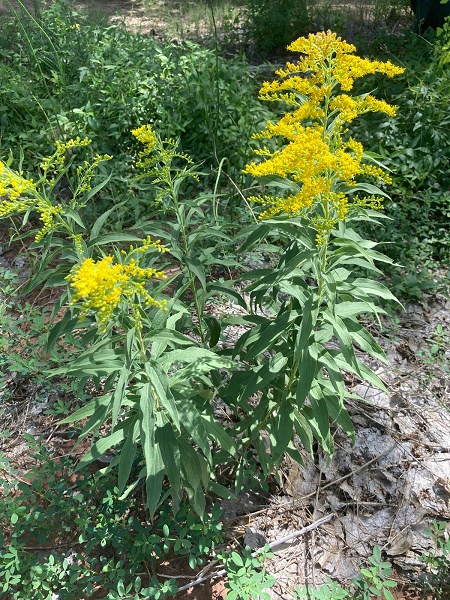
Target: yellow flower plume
(101,286)
(318,157)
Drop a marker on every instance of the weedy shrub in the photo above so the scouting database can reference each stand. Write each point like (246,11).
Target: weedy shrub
(272,24)
(313,296)
(154,359)
(156,400)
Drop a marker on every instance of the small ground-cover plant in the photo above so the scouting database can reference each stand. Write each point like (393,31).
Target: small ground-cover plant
(247,578)
(372,581)
(99,543)
(437,578)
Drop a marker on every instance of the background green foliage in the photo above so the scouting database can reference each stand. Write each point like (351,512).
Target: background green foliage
(273,24)
(62,75)
(416,147)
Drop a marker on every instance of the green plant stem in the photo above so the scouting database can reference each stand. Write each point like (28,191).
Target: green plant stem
(142,348)
(186,249)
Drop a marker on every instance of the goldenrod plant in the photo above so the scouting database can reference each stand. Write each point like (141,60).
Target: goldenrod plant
(154,356)
(149,375)
(305,326)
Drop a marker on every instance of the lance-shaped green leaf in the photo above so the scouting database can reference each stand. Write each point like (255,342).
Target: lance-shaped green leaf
(193,424)
(217,433)
(194,475)
(344,338)
(162,394)
(303,430)
(104,444)
(244,384)
(168,444)
(319,419)
(128,454)
(281,430)
(153,460)
(306,372)
(119,394)
(270,334)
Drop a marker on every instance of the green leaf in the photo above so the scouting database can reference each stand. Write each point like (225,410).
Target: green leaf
(193,424)
(119,394)
(268,335)
(95,190)
(321,423)
(244,384)
(196,361)
(87,410)
(345,340)
(192,468)
(74,216)
(255,235)
(281,430)
(153,459)
(214,329)
(307,325)
(196,267)
(65,325)
(370,189)
(340,415)
(112,238)
(306,373)
(160,385)
(127,456)
(170,452)
(97,226)
(218,434)
(365,341)
(103,445)
(373,288)
(228,291)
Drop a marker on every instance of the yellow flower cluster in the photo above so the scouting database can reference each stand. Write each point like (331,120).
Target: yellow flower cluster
(47,214)
(157,157)
(13,186)
(55,162)
(318,157)
(102,285)
(147,136)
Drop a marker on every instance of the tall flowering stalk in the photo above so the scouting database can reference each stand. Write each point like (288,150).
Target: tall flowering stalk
(304,314)
(19,195)
(153,397)
(192,236)
(320,159)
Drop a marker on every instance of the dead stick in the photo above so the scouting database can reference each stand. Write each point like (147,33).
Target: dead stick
(272,545)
